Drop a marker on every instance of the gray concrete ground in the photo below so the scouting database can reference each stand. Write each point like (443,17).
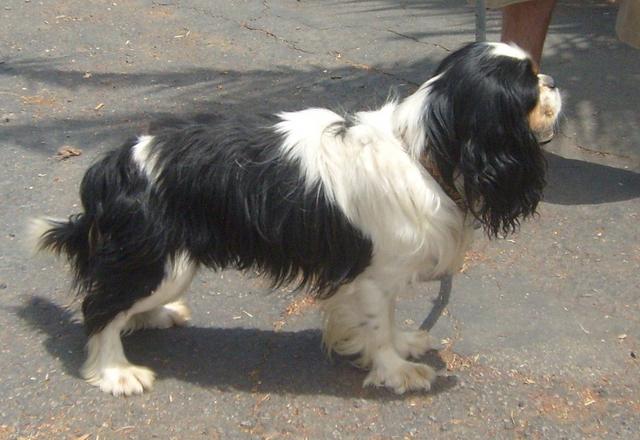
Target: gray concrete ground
(541,332)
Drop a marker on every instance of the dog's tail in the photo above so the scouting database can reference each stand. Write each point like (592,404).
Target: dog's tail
(71,238)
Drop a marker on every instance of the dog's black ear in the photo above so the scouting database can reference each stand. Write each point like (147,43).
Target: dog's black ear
(476,124)
(503,169)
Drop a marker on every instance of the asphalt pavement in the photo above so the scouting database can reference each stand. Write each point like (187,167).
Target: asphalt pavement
(540,333)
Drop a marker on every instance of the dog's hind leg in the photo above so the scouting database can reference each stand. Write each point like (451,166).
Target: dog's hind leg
(359,319)
(107,366)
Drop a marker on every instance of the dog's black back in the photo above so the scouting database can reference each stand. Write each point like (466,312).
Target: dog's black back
(222,193)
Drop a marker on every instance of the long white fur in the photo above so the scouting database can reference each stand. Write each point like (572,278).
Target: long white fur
(408,119)
(373,174)
(509,50)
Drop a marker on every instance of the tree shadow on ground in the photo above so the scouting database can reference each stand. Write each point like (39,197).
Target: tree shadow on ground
(592,104)
(250,360)
(187,92)
(570,181)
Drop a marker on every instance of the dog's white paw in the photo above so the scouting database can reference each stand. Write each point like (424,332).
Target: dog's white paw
(172,314)
(413,343)
(123,380)
(401,376)
(169,315)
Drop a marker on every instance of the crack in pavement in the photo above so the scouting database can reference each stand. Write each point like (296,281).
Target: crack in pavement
(245,25)
(293,45)
(409,37)
(592,151)
(339,57)
(288,43)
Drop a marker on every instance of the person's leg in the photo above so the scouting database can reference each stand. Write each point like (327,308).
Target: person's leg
(526,25)
(628,23)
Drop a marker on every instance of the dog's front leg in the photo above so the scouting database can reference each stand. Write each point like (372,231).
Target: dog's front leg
(358,320)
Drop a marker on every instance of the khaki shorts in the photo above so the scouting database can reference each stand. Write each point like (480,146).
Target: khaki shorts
(497,4)
(627,23)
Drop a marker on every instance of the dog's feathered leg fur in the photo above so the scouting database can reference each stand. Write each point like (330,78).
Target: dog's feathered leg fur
(359,320)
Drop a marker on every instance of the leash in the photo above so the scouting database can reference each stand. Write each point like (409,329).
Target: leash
(446,283)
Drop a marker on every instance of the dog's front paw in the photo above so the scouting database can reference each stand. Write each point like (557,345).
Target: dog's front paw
(401,376)
(413,343)
(124,380)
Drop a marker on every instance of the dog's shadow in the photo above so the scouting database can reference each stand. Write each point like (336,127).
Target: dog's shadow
(242,359)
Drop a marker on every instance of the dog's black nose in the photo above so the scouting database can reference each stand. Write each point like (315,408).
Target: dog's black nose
(547,81)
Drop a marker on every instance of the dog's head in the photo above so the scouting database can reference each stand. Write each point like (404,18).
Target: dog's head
(481,120)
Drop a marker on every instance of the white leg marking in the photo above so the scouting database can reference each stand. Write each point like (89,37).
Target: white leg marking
(107,366)
(359,320)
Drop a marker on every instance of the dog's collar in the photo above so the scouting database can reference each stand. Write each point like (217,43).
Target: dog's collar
(451,191)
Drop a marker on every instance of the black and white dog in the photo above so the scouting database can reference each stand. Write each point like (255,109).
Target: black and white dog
(352,208)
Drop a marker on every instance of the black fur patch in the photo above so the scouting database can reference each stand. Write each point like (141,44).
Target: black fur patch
(224,194)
